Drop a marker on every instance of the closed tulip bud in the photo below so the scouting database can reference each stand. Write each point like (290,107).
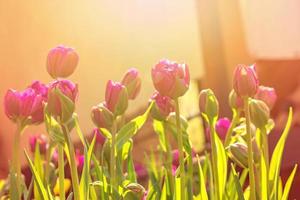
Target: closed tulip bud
(61,62)
(136,188)
(170,78)
(61,100)
(116,97)
(267,95)
(238,152)
(208,104)
(245,81)
(132,81)
(259,113)
(23,106)
(162,107)
(39,140)
(102,117)
(222,127)
(235,101)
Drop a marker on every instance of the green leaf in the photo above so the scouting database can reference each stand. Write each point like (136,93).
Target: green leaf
(131,128)
(53,128)
(289,184)
(37,178)
(237,184)
(158,127)
(203,192)
(39,167)
(67,106)
(277,157)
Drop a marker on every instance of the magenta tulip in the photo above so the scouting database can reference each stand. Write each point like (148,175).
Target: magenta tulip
(132,81)
(100,139)
(41,141)
(61,61)
(245,81)
(267,95)
(116,97)
(163,106)
(170,78)
(222,127)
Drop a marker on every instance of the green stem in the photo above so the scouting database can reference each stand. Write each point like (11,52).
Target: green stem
(47,168)
(214,159)
(61,172)
(180,148)
(265,146)
(250,150)
(113,158)
(16,158)
(235,120)
(169,162)
(73,167)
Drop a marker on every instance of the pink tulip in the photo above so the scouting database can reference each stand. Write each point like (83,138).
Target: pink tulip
(79,161)
(222,127)
(40,89)
(21,106)
(140,171)
(170,78)
(41,141)
(163,106)
(55,104)
(235,101)
(267,95)
(116,97)
(245,81)
(61,61)
(132,81)
(102,117)
(100,139)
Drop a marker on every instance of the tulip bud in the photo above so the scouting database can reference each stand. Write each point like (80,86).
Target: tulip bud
(235,101)
(140,171)
(132,82)
(238,152)
(162,107)
(209,106)
(136,188)
(41,141)
(222,127)
(259,113)
(61,100)
(61,62)
(267,95)
(170,78)
(171,119)
(102,117)
(245,82)
(116,98)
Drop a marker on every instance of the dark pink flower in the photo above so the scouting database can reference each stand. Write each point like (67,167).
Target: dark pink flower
(163,106)
(170,78)
(267,95)
(140,171)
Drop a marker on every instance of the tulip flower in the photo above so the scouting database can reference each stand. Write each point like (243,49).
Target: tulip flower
(221,127)
(245,81)
(116,97)
(132,81)
(61,62)
(102,117)
(41,141)
(163,106)
(170,78)
(140,171)
(79,161)
(23,106)
(235,101)
(57,104)
(267,95)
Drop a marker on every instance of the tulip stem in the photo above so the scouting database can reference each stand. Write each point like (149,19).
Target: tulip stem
(265,146)
(235,119)
(73,167)
(112,157)
(16,158)
(169,161)
(180,148)
(250,149)
(61,172)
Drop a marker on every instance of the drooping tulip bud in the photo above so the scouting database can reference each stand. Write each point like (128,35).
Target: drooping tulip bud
(132,81)
(100,139)
(238,152)
(170,78)
(267,95)
(259,113)
(235,101)
(116,97)
(208,104)
(137,190)
(245,81)
(102,117)
(41,141)
(21,106)
(61,62)
(61,99)
(162,107)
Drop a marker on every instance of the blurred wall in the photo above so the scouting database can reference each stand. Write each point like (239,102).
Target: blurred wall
(110,36)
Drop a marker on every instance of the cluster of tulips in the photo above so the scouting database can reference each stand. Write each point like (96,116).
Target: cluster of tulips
(237,164)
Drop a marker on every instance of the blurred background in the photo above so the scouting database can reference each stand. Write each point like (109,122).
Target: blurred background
(212,37)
